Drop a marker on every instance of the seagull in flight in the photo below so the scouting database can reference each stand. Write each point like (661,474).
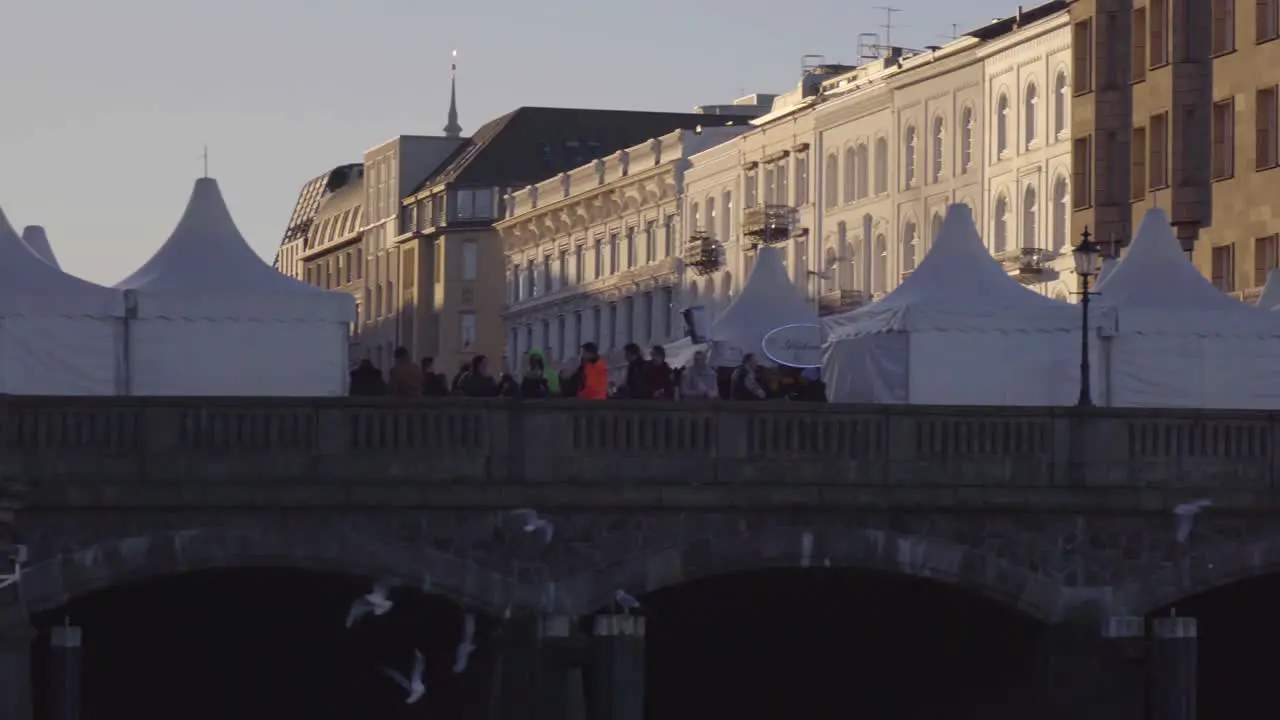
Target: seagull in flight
(413,683)
(533,523)
(375,602)
(1186,514)
(626,601)
(467,646)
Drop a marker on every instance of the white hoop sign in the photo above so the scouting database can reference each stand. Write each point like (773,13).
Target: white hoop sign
(797,345)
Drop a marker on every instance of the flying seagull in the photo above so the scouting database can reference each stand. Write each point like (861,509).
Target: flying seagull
(375,602)
(625,601)
(1186,514)
(533,523)
(413,683)
(467,646)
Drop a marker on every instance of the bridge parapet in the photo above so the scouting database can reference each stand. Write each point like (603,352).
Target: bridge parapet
(55,446)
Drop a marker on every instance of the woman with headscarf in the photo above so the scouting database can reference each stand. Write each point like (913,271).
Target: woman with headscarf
(536,382)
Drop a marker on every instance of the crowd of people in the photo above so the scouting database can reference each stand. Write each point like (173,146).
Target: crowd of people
(649,378)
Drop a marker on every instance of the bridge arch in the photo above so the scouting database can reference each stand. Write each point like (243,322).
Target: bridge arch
(1201,568)
(943,561)
(53,581)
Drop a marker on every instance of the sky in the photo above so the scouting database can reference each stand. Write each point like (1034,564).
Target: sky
(105,108)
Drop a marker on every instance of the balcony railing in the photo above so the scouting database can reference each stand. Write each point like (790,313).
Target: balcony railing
(769,224)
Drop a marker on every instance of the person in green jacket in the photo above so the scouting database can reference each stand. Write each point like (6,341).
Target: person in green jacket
(538,366)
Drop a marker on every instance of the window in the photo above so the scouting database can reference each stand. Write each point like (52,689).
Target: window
(831,182)
(544,282)
(1081,162)
(1031,119)
(935,228)
(909,155)
(711,227)
(750,188)
(470,260)
(665,307)
(631,246)
(560,349)
(1030,218)
(1158,151)
(562,269)
(596,335)
(939,149)
(1002,125)
(1082,56)
(908,257)
(1267,112)
(513,292)
(650,241)
(880,265)
(1138,164)
(1224,268)
(850,171)
(781,195)
(1000,226)
(1157,37)
(1266,257)
(1265,26)
(966,140)
(464,204)
(577,341)
(882,166)
(726,216)
(800,248)
(1224,139)
(669,235)
(1223,31)
(599,258)
(802,179)
(614,330)
(1138,58)
(1060,200)
(613,252)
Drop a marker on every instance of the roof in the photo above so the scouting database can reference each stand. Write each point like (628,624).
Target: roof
(530,144)
(304,210)
(1004,26)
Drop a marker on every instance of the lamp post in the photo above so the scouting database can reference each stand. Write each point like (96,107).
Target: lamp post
(1088,262)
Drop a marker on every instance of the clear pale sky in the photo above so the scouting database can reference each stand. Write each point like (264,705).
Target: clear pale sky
(105,107)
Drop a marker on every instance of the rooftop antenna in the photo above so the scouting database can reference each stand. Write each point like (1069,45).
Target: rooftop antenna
(888,25)
(955,33)
(205,156)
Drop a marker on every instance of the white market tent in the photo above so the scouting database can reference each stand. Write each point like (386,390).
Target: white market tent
(957,331)
(1178,341)
(768,301)
(59,335)
(1270,296)
(209,317)
(36,239)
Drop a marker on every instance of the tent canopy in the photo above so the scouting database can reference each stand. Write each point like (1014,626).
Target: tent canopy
(36,239)
(958,287)
(31,287)
(1270,296)
(1156,289)
(207,270)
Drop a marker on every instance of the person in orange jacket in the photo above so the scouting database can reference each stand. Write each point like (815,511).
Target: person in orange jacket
(592,376)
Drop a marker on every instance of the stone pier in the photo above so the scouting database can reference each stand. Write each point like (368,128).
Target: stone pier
(64,672)
(618,668)
(1173,668)
(538,672)
(15,670)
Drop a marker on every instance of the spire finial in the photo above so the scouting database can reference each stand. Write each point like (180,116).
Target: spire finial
(206,160)
(452,128)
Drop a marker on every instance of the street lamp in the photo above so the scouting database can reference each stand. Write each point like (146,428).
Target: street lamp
(1088,262)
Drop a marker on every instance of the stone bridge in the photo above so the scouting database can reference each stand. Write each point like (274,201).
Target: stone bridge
(1057,513)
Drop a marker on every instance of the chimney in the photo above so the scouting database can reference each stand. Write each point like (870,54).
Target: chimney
(1018,22)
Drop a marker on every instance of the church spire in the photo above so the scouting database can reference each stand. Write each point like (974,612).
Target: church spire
(452,128)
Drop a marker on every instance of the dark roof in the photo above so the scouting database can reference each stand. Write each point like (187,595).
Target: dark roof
(530,144)
(1004,26)
(304,211)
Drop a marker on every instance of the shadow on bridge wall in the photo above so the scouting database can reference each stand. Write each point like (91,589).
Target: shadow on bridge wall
(546,581)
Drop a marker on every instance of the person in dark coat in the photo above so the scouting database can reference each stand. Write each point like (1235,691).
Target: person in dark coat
(434,384)
(745,384)
(476,381)
(366,380)
(636,386)
(662,379)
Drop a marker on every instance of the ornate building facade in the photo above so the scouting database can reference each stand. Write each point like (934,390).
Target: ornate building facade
(593,254)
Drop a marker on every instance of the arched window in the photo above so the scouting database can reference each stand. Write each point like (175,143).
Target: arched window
(831,190)
(836,269)
(1061,198)
(935,228)
(909,157)
(966,139)
(694,225)
(1060,103)
(830,270)
(882,166)
(711,218)
(850,172)
(861,189)
(1000,227)
(909,238)
(1030,221)
(880,268)
(1002,125)
(1031,118)
(939,137)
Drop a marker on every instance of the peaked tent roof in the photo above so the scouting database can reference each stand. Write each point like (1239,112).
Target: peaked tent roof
(1270,296)
(958,287)
(207,269)
(1157,289)
(30,286)
(768,301)
(36,239)
(1108,267)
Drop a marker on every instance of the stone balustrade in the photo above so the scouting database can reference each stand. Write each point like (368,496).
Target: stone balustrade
(470,452)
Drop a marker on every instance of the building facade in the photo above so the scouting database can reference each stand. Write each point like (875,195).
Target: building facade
(593,254)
